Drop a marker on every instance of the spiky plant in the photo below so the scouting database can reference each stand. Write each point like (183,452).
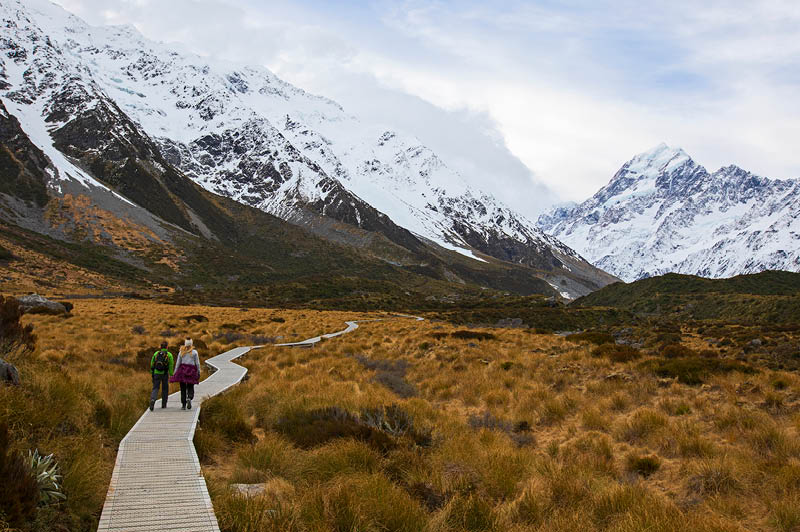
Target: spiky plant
(45,469)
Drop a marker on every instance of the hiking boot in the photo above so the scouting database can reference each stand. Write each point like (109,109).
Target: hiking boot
(152,405)
(188,405)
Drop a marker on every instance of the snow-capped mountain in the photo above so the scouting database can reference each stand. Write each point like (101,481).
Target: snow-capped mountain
(663,212)
(241,132)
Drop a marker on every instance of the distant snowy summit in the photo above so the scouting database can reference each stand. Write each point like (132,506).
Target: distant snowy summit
(662,212)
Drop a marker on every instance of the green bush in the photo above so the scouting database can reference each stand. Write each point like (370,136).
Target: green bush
(19,491)
(473,335)
(5,254)
(643,465)
(592,337)
(617,352)
(693,370)
(11,330)
(677,351)
(311,428)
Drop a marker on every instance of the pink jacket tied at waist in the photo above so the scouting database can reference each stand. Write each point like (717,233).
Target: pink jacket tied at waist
(187,369)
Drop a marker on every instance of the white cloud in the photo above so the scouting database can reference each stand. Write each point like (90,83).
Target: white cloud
(571,90)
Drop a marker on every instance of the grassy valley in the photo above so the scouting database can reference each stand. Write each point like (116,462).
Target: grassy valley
(488,415)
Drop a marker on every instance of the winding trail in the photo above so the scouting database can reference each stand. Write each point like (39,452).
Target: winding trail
(157,483)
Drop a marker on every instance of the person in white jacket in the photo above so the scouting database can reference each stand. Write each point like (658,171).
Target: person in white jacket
(187,372)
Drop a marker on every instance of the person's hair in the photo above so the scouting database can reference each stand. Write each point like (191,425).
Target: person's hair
(163,345)
(187,347)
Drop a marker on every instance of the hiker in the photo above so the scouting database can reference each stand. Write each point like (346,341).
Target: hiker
(187,372)
(162,365)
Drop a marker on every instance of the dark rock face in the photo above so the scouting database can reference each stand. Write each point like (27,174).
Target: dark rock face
(36,304)
(8,373)
(22,165)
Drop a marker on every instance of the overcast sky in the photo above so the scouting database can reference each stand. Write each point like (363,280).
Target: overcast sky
(541,100)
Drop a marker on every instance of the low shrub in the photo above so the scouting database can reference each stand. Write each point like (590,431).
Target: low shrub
(643,465)
(390,373)
(666,338)
(617,352)
(677,351)
(229,337)
(5,254)
(11,330)
(199,318)
(396,422)
(311,428)
(488,421)
(592,337)
(380,428)
(693,370)
(19,490)
(473,335)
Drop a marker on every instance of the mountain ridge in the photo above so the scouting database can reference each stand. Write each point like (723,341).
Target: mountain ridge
(91,126)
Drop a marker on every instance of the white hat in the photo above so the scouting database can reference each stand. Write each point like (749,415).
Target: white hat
(188,342)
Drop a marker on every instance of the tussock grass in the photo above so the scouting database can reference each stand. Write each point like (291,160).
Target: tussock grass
(513,432)
(85,381)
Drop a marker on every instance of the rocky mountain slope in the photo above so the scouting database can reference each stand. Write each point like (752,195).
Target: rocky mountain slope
(663,212)
(122,128)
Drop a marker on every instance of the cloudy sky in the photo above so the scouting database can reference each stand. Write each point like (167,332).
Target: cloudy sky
(541,100)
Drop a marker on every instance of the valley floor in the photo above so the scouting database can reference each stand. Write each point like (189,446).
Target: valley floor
(405,425)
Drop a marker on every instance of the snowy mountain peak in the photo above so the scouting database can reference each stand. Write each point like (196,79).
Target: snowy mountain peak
(648,166)
(662,212)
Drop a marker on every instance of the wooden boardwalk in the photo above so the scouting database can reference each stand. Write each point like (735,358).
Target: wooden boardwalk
(157,483)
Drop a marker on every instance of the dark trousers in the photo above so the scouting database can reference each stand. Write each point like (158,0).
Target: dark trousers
(187,392)
(163,381)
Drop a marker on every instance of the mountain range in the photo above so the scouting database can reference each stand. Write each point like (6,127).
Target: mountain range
(663,212)
(112,139)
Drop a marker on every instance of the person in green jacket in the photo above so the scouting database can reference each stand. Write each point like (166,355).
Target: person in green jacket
(162,365)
